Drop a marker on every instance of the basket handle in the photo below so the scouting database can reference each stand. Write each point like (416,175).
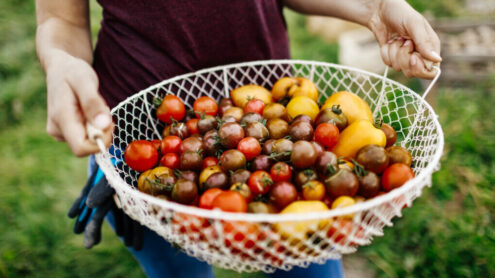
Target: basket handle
(430,66)
(95,135)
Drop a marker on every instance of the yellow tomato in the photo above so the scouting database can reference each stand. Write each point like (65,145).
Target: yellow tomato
(143,182)
(301,229)
(304,87)
(342,202)
(241,95)
(302,105)
(207,172)
(356,136)
(353,107)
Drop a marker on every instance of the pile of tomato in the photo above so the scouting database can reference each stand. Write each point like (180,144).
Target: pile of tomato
(276,151)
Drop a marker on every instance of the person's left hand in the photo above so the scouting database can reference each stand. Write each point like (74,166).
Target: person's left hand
(405,38)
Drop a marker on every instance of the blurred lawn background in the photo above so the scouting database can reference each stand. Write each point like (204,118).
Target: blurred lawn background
(449,232)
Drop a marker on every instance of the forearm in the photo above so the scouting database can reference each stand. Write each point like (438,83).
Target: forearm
(62,27)
(359,11)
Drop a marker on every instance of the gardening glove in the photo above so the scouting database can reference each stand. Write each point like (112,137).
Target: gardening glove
(90,208)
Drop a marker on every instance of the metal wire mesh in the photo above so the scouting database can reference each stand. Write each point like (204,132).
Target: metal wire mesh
(254,242)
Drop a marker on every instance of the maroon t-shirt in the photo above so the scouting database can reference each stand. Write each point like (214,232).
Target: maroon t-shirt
(142,42)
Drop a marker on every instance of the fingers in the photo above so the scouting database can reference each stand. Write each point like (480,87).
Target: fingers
(73,100)
(425,39)
(418,68)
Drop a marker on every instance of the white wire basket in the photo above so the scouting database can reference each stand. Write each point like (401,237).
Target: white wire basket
(250,242)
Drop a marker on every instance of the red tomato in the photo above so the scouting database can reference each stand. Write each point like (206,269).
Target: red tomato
(156,143)
(170,160)
(205,105)
(171,107)
(260,182)
(254,105)
(141,155)
(192,126)
(171,144)
(230,201)
(281,171)
(208,196)
(210,161)
(250,147)
(396,175)
(327,134)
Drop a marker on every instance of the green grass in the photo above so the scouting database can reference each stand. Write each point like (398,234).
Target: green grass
(449,231)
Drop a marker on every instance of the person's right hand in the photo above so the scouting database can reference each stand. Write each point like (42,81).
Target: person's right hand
(72,101)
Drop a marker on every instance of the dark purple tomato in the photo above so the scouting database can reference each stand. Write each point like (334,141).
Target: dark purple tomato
(398,154)
(251,117)
(185,191)
(191,160)
(217,180)
(211,142)
(179,129)
(207,123)
(325,161)
(304,118)
(373,158)
(342,183)
(283,193)
(229,119)
(239,176)
(369,185)
(261,162)
(230,135)
(301,130)
(303,154)
(232,160)
(188,175)
(390,134)
(191,144)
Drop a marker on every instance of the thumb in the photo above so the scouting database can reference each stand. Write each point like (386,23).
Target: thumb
(425,39)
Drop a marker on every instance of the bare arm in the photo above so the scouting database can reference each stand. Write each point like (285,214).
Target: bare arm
(63,43)
(388,20)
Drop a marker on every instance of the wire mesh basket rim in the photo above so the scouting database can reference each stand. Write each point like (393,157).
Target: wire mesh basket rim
(272,218)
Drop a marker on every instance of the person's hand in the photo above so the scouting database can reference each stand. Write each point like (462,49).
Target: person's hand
(405,38)
(72,101)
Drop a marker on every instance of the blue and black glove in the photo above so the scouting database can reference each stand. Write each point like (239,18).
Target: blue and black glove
(90,208)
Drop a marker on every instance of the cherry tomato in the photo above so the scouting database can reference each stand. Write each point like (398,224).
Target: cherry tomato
(254,105)
(156,143)
(327,134)
(171,107)
(280,171)
(209,161)
(170,160)
(171,144)
(396,175)
(313,190)
(141,155)
(282,194)
(192,126)
(205,105)
(250,147)
(260,182)
(243,189)
(208,196)
(230,201)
